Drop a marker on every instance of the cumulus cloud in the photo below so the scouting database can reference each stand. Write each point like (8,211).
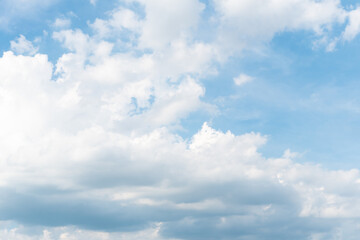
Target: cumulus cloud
(181,17)
(119,19)
(62,23)
(23,46)
(244,24)
(89,152)
(120,182)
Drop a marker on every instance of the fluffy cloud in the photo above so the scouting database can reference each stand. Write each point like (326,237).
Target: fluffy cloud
(120,19)
(89,151)
(153,32)
(245,23)
(23,46)
(62,23)
(181,17)
(353,28)
(106,180)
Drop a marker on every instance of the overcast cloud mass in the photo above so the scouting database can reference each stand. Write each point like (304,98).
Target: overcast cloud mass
(179,120)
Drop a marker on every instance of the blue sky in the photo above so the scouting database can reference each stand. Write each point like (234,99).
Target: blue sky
(182,119)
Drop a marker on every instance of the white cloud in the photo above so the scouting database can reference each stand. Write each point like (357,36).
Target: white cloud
(92,145)
(137,85)
(353,27)
(248,23)
(181,17)
(23,46)
(119,19)
(62,23)
(215,173)
(242,79)
(154,33)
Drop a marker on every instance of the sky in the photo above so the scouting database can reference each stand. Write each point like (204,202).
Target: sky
(179,119)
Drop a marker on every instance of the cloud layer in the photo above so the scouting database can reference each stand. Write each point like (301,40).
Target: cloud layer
(90,149)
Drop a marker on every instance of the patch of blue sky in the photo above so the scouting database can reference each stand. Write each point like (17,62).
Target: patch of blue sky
(349,3)
(38,22)
(302,98)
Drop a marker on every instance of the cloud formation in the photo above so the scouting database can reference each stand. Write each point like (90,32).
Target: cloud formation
(90,151)
(23,46)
